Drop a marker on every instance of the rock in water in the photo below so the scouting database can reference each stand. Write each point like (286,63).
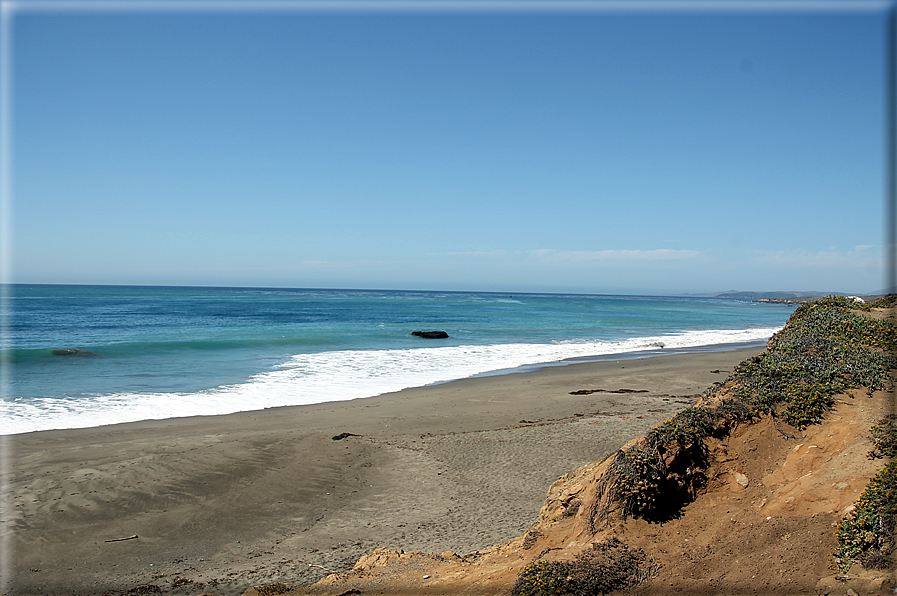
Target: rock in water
(431,334)
(71,352)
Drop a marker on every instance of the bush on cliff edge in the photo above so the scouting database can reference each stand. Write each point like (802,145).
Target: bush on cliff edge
(824,349)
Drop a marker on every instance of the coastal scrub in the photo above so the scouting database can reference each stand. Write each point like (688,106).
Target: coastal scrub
(885,301)
(866,534)
(643,476)
(825,348)
(884,437)
(605,567)
(639,476)
(687,428)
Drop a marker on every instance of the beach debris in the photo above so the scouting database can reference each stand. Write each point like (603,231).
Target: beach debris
(183,581)
(590,391)
(121,539)
(530,539)
(342,436)
(145,589)
(431,334)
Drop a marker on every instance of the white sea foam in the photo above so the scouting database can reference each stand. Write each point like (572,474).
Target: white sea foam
(337,376)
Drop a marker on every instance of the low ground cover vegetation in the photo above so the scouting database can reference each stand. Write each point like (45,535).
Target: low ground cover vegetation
(866,534)
(884,437)
(605,567)
(826,348)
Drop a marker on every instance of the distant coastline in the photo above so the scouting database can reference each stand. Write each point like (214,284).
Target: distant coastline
(786,297)
(806,299)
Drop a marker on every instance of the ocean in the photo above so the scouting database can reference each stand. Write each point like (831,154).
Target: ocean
(83,356)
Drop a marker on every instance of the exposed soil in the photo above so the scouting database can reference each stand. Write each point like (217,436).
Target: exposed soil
(763,524)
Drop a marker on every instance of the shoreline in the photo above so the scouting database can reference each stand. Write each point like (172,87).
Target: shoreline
(230,501)
(634,355)
(526,368)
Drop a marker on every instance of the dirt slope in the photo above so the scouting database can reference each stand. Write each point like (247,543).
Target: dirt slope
(765,524)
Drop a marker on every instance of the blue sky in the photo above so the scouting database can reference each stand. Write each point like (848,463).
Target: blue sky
(599,150)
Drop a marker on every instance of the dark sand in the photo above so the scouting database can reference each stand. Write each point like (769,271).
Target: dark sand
(222,503)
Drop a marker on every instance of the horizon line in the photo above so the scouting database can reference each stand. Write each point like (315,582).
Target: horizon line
(712,294)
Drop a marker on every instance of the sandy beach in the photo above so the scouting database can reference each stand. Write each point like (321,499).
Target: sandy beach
(220,503)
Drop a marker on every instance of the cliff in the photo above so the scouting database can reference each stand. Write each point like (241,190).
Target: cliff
(773,482)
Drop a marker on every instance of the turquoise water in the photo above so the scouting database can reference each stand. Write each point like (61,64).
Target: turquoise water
(158,352)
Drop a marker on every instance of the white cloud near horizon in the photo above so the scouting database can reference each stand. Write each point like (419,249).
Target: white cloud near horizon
(659,254)
(548,254)
(475,253)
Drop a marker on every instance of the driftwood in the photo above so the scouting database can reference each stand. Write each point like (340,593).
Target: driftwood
(120,539)
(318,566)
(590,391)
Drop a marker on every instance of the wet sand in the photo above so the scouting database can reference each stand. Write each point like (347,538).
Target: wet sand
(220,503)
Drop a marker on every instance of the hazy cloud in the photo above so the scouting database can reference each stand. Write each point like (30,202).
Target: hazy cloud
(549,254)
(660,254)
(479,253)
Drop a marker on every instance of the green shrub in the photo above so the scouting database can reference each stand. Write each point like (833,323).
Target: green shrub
(885,301)
(639,474)
(687,428)
(641,477)
(824,349)
(835,319)
(841,302)
(735,411)
(541,578)
(605,567)
(808,405)
(866,535)
(884,438)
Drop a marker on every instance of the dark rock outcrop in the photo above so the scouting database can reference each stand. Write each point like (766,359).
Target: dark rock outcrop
(72,352)
(431,334)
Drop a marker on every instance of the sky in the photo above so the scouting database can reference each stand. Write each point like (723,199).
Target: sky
(657,148)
